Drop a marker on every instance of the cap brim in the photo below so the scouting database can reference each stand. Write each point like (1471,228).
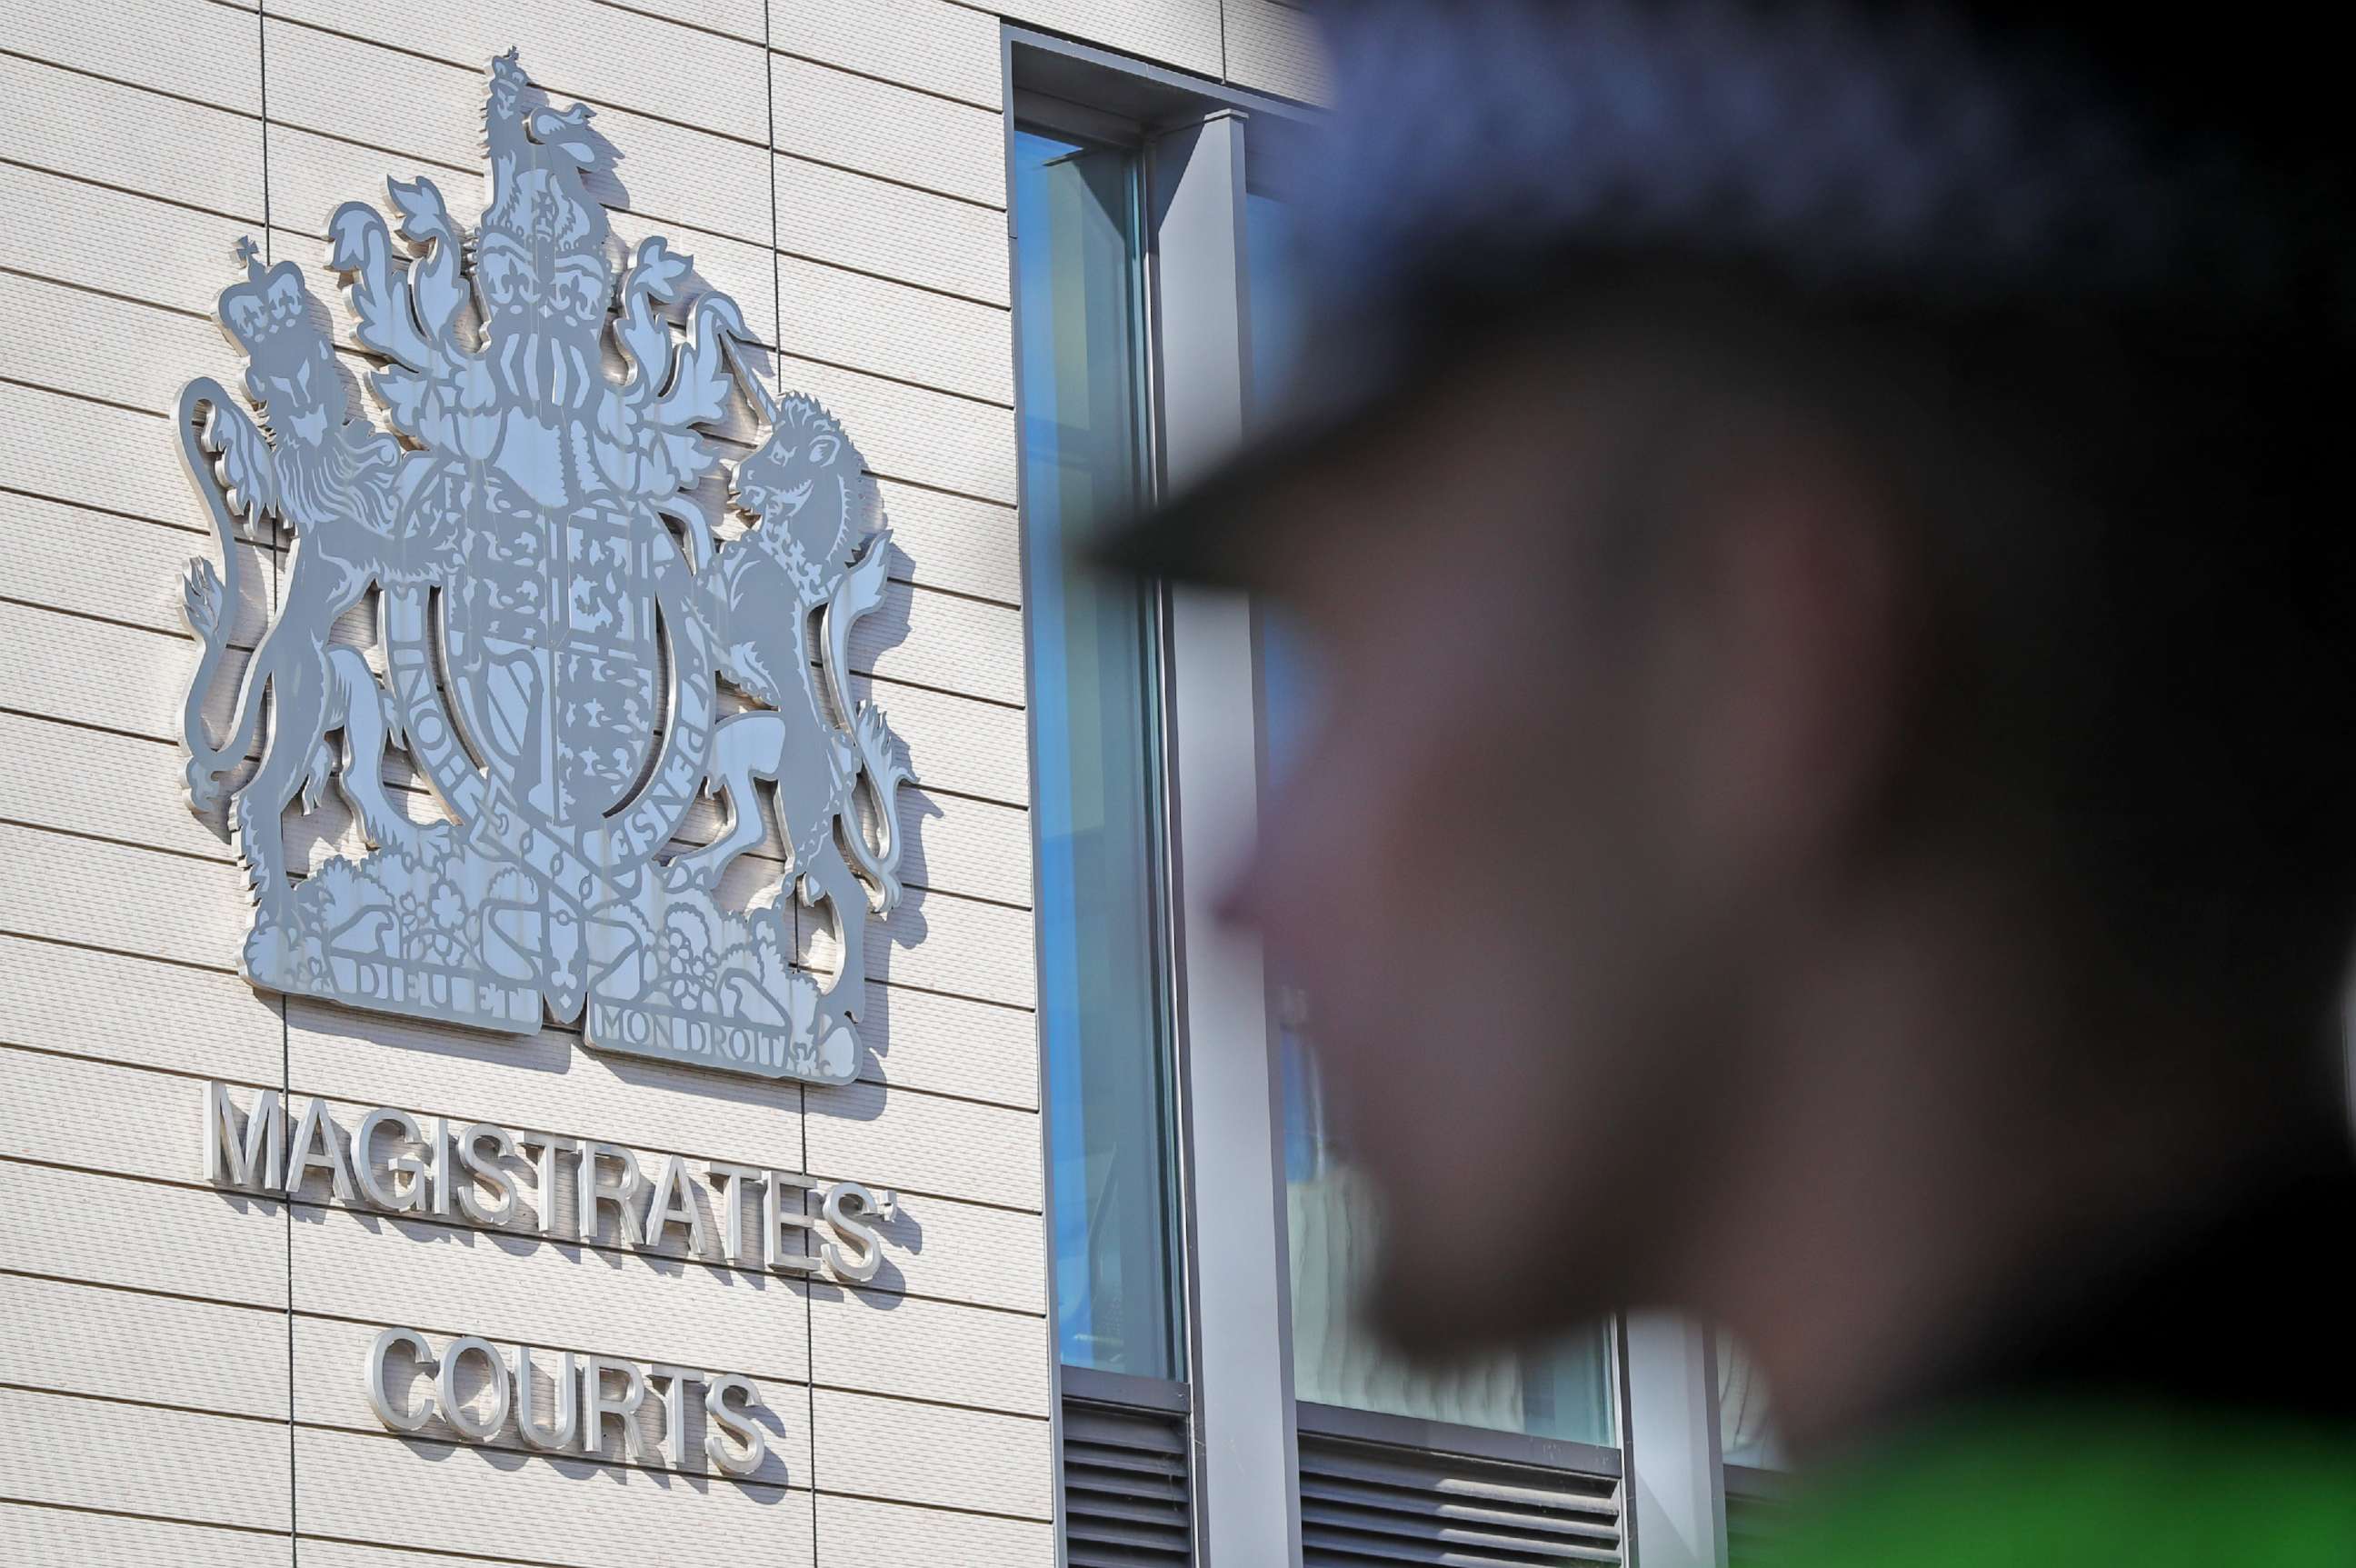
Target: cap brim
(1356,378)
(1227,527)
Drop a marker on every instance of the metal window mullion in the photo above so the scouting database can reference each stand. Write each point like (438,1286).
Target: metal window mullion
(1676,1487)
(1244,1437)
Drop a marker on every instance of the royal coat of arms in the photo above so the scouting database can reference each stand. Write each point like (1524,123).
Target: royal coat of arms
(556,616)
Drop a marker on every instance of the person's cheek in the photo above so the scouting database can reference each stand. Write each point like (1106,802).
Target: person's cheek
(1307,895)
(1319,893)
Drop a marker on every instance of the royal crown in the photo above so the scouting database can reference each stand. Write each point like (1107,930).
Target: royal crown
(268,302)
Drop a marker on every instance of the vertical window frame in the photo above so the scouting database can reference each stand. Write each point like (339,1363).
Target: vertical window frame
(1075,124)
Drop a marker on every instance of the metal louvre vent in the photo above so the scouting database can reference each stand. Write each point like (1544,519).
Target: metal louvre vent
(1127,1498)
(1368,1505)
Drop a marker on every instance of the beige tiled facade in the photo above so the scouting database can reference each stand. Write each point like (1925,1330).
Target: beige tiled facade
(180,1371)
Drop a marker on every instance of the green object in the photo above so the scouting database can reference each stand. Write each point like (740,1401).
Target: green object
(2030,1486)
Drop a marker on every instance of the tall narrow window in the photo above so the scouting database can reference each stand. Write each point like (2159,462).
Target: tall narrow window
(1104,1005)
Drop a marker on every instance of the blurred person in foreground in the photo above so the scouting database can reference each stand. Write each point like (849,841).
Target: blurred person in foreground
(1836,640)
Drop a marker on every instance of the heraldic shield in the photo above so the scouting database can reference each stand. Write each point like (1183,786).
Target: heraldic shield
(556,618)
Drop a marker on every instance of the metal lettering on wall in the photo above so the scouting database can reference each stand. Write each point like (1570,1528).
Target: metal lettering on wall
(554,618)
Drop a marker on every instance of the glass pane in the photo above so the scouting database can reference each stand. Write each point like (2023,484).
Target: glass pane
(1746,1430)
(1101,999)
(1565,1392)
(1273,306)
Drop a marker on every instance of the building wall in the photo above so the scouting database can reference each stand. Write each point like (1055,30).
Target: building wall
(180,1377)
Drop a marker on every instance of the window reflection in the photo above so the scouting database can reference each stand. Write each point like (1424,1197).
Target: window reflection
(1746,1432)
(1095,742)
(1273,303)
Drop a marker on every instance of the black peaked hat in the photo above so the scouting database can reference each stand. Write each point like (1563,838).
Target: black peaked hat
(1483,158)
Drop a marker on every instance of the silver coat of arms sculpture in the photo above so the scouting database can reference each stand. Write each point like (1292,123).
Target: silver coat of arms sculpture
(555,616)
